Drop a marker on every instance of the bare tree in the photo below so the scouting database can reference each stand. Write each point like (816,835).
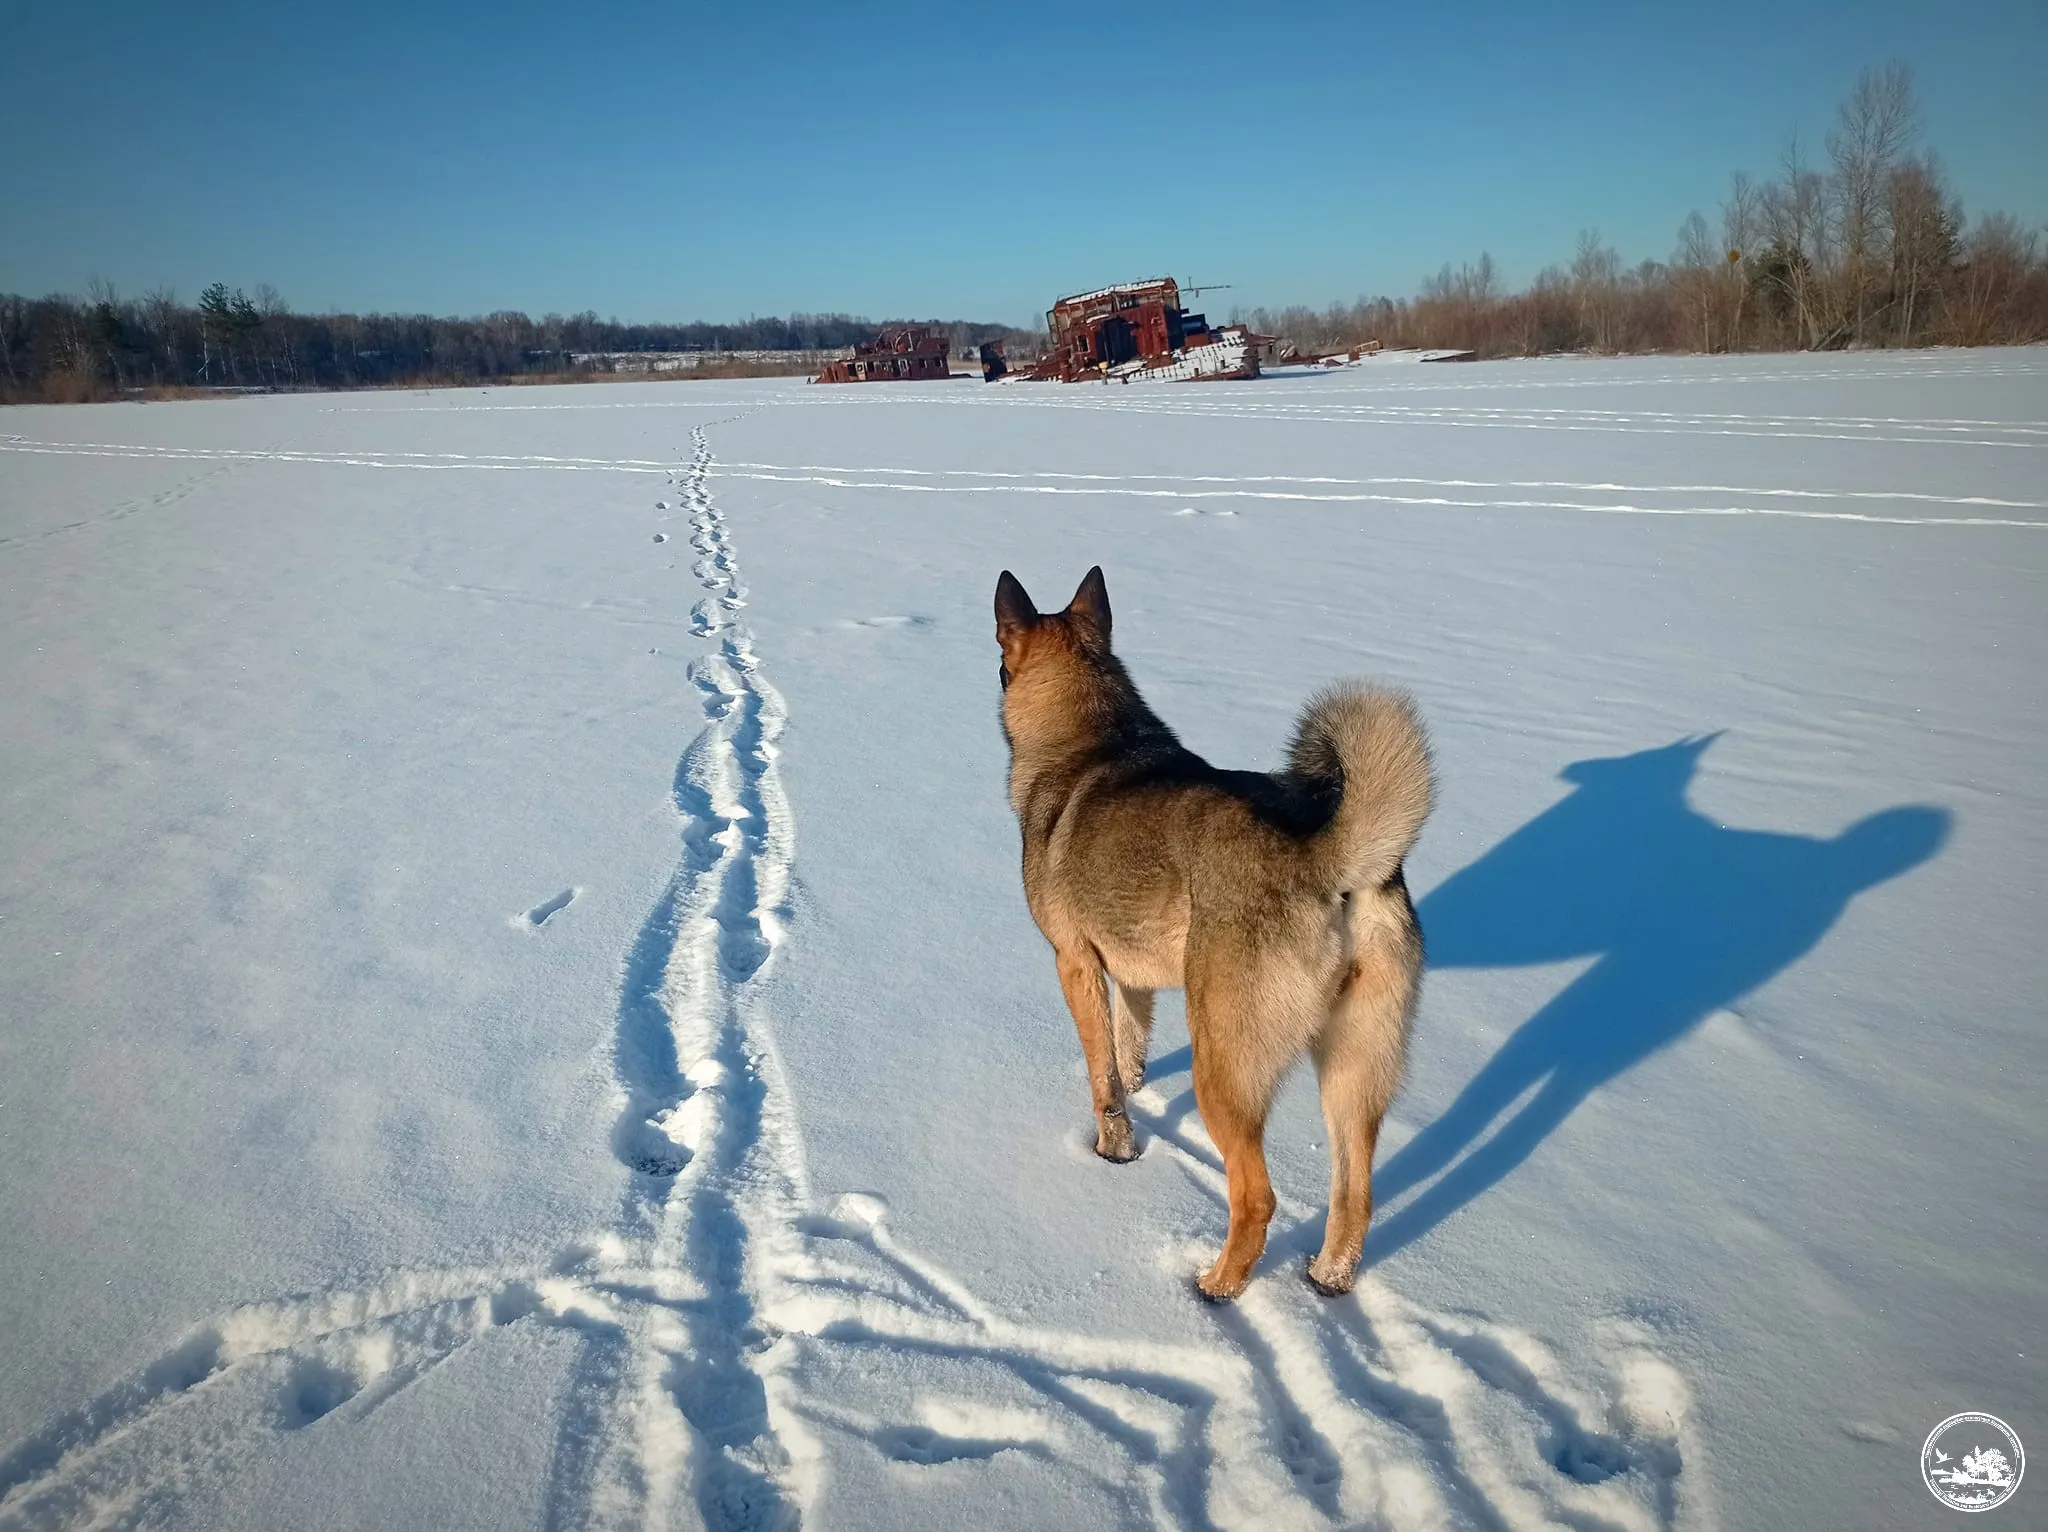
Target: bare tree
(1740,221)
(1698,276)
(160,312)
(1794,214)
(1875,126)
(14,329)
(1923,244)
(1983,300)
(1596,272)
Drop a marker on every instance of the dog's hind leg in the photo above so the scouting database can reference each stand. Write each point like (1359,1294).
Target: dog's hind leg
(1130,1031)
(1086,986)
(1358,1057)
(1237,1066)
(1236,1120)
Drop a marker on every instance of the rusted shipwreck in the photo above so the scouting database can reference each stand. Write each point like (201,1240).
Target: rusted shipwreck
(1138,332)
(898,353)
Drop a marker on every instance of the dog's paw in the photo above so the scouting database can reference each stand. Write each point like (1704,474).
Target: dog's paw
(1331,1283)
(1120,1150)
(1211,1288)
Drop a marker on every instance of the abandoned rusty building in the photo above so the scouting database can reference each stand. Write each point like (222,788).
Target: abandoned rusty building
(899,353)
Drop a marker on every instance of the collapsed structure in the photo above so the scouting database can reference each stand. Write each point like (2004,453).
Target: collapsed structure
(1137,332)
(898,353)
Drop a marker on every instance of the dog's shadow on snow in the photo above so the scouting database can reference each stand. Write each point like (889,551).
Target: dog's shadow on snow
(1682,915)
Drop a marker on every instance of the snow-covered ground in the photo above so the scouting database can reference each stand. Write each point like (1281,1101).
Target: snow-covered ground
(517,1008)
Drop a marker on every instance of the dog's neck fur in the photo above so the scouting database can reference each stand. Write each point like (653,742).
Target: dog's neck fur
(1081,713)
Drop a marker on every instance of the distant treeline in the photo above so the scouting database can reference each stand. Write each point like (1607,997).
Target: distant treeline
(103,346)
(1865,246)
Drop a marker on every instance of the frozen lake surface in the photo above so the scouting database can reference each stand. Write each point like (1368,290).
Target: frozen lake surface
(517,1006)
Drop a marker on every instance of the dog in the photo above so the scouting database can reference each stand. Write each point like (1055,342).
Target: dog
(1276,901)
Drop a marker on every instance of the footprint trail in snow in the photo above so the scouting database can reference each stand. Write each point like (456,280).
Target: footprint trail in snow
(731,1323)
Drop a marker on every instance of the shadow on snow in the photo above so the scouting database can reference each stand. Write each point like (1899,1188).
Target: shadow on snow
(1682,916)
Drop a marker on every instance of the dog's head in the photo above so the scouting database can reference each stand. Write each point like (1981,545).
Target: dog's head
(1044,653)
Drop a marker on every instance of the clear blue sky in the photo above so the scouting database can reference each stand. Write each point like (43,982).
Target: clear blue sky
(966,160)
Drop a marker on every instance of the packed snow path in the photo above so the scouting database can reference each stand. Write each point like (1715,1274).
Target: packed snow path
(756,1327)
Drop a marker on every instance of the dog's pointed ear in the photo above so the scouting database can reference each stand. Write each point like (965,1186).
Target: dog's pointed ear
(1091,603)
(1014,610)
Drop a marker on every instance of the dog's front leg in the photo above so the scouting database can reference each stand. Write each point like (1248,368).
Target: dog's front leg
(1085,985)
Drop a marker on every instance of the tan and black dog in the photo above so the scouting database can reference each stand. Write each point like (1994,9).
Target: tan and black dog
(1276,901)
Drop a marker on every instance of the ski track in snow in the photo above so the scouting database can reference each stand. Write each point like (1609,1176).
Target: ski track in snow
(725,1287)
(1897,432)
(1647,499)
(1016,484)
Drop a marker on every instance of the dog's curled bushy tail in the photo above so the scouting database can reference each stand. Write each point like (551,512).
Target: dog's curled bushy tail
(1366,746)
